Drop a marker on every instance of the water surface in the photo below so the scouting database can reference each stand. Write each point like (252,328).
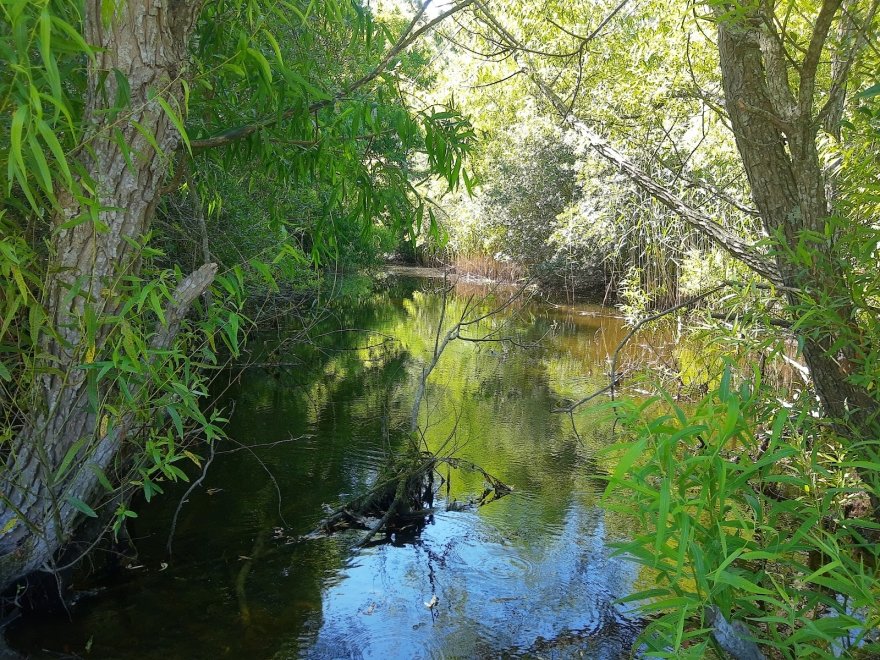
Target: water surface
(529,575)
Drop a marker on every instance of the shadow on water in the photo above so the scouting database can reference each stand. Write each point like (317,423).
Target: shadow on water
(531,574)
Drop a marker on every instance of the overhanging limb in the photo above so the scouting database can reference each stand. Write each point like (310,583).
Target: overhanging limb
(727,240)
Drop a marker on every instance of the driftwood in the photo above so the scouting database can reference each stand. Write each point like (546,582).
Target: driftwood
(403,498)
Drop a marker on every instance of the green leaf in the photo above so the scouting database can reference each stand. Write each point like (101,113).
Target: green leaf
(626,462)
(175,417)
(55,147)
(263,63)
(177,121)
(738,581)
(44,177)
(72,34)
(82,506)
(275,46)
(871,92)
(67,460)
(148,136)
(123,92)
(156,306)
(102,477)
(48,56)
(108,9)
(15,135)
(232,331)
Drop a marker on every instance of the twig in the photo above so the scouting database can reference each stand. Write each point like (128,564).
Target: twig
(576,404)
(652,318)
(195,484)
(614,376)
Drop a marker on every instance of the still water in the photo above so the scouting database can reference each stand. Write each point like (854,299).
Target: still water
(311,423)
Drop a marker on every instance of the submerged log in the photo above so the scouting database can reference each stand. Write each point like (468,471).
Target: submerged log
(734,638)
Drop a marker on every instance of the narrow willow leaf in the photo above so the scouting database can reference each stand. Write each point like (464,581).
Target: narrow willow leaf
(101,476)
(263,64)
(275,46)
(871,92)
(15,135)
(55,147)
(82,506)
(67,460)
(738,581)
(123,92)
(148,136)
(49,62)
(627,461)
(42,173)
(176,120)
(72,34)
(175,418)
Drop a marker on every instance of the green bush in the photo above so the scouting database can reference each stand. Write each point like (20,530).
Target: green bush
(757,512)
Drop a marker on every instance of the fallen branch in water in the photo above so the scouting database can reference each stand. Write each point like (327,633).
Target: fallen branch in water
(195,484)
(404,493)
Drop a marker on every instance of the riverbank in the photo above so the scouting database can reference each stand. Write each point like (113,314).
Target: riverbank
(556,288)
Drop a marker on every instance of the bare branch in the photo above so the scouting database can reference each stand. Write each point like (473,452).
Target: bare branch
(598,29)
(823,23)
(613,375)
(195,484)
(499,81)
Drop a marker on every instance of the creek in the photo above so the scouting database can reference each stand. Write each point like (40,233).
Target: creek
(531,574)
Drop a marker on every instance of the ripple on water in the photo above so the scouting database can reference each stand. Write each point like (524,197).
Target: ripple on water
(529,575)
(494,597)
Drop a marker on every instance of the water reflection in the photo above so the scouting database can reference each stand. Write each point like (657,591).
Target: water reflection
(530,574)
(494,593)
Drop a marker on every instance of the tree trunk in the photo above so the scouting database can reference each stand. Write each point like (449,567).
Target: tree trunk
(776,134)
(146,42)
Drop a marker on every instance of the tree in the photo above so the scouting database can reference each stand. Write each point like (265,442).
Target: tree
(777,109)
(144,45)
(100,386)
(788,72)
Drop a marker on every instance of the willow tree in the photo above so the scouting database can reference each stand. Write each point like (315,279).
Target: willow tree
(97,217)
(785,81)
(778,102)
(101,388)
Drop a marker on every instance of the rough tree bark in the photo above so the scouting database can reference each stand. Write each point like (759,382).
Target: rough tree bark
(146,41)
(776,129)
